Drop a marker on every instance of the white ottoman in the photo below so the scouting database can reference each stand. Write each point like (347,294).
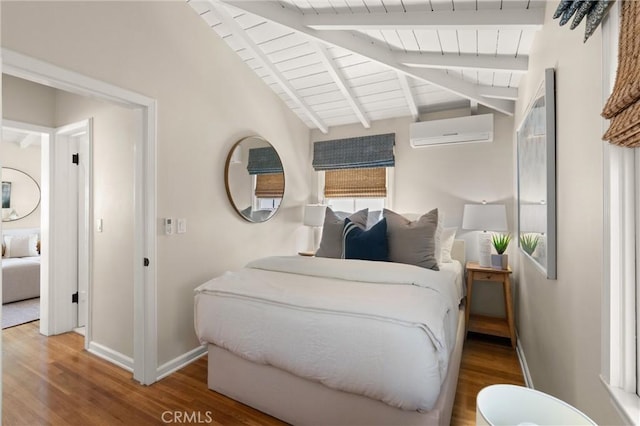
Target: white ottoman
(516,405)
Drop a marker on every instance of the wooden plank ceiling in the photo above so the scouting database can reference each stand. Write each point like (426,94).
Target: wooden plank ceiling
(336,62)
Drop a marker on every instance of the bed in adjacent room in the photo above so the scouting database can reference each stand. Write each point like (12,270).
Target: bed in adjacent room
(325,340)
(20,265)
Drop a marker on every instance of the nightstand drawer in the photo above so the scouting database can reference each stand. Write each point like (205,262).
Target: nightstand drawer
(488,276)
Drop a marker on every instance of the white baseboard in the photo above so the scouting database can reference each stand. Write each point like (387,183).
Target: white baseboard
(177,363)
(112,356)
(523,364)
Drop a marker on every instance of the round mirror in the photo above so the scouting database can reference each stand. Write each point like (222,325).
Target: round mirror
(20,194)
(254,179)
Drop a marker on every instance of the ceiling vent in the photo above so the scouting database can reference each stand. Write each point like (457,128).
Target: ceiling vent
(473,128)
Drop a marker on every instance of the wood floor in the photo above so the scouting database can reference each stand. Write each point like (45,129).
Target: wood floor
(52,381)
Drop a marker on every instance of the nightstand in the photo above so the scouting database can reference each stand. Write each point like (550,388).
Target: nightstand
(502,327)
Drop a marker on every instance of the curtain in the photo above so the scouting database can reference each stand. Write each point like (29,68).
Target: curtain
(354,153)
(360,183)
(623,106)
(270,185)
(264,160)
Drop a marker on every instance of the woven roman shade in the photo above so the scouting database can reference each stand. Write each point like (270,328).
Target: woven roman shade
(270,185)
(356,183)
(264,160)
(354,153)
(623,106)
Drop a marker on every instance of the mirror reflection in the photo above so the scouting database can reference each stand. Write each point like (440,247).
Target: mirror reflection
(254,179)
(20,194)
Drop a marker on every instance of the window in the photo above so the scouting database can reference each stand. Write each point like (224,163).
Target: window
(355,173)
(620,306)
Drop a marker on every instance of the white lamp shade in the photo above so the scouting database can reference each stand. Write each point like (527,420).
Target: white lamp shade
(517,405)
(314,214)
(484,217)
(533,218)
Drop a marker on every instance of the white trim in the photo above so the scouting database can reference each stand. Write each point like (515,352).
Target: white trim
(523,363)
(181,361)
(145,286)
(626,404)
(619,351)
(112,356)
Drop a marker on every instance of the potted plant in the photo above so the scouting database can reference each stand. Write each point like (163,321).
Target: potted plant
(500,243)
(529,242)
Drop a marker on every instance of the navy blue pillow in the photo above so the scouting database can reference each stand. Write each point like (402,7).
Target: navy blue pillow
(366,245)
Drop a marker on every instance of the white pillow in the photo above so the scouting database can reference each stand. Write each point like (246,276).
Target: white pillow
(438,237)
(446,244)
(21,245)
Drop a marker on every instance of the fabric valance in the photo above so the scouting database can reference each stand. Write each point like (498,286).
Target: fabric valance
(264,161)
(354,153)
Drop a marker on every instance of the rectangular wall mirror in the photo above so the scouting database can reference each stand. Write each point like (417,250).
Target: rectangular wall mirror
(536,147)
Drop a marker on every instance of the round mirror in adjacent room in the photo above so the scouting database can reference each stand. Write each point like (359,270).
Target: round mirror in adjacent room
(254,179)
(20,194)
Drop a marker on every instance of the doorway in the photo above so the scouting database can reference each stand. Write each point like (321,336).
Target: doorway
(63,174)
(144,362)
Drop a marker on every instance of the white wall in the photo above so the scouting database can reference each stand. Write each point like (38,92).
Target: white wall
(447,177)
(207,99)
(114,131)
(28,102)
(559,320)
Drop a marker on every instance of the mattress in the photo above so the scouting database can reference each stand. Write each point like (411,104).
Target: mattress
(339,323)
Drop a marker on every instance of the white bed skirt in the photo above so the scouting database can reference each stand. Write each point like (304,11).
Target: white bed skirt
(302,402)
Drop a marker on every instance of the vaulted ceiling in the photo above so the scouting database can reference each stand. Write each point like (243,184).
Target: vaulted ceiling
(336,62)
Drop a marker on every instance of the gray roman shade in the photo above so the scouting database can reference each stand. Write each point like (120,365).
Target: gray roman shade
(264,161)
(354,153)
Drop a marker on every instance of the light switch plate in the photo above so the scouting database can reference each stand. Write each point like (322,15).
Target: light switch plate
(168,226)
(182,226)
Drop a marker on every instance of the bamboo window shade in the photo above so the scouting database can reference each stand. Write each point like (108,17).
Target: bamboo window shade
(356,183)
(270,185)
(623,106)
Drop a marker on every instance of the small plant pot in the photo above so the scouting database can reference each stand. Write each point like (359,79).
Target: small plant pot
(500,261)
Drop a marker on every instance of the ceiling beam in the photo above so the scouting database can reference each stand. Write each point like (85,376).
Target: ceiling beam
(408,94)
(508,93)
(257,53)
(486,19)
(464,61)
(342,84)
(346,40)
(28,140)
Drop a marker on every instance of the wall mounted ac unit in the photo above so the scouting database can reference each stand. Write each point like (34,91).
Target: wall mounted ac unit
(473,128)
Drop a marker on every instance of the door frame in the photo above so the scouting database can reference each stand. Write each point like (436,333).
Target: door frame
(145,285)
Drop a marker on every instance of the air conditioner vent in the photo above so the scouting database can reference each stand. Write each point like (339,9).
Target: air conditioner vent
(473,128)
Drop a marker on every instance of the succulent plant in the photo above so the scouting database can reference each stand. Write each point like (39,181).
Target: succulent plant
(529,242)
(501,242)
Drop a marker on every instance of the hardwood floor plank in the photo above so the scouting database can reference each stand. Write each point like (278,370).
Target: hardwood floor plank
(53,381)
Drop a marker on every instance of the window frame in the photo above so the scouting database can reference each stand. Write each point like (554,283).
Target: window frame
(620,302)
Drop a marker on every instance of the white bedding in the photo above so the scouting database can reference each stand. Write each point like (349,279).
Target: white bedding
(339,322)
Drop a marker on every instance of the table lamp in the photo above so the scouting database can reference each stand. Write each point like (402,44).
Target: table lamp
(314,218)
(484,217)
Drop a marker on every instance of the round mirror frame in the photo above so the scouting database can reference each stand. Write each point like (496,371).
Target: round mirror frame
(39,195)
(227,185)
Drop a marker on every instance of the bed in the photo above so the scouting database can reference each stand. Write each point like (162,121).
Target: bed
(317,341)
(20,265)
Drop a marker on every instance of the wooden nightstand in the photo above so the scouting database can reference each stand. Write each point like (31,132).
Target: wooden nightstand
(502,327)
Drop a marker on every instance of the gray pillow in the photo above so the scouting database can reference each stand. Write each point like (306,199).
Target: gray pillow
(412,242)
(331,242)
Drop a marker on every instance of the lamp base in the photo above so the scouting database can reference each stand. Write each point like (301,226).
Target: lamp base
(484,249)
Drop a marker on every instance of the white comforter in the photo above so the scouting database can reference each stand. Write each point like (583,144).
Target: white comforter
(371,328)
